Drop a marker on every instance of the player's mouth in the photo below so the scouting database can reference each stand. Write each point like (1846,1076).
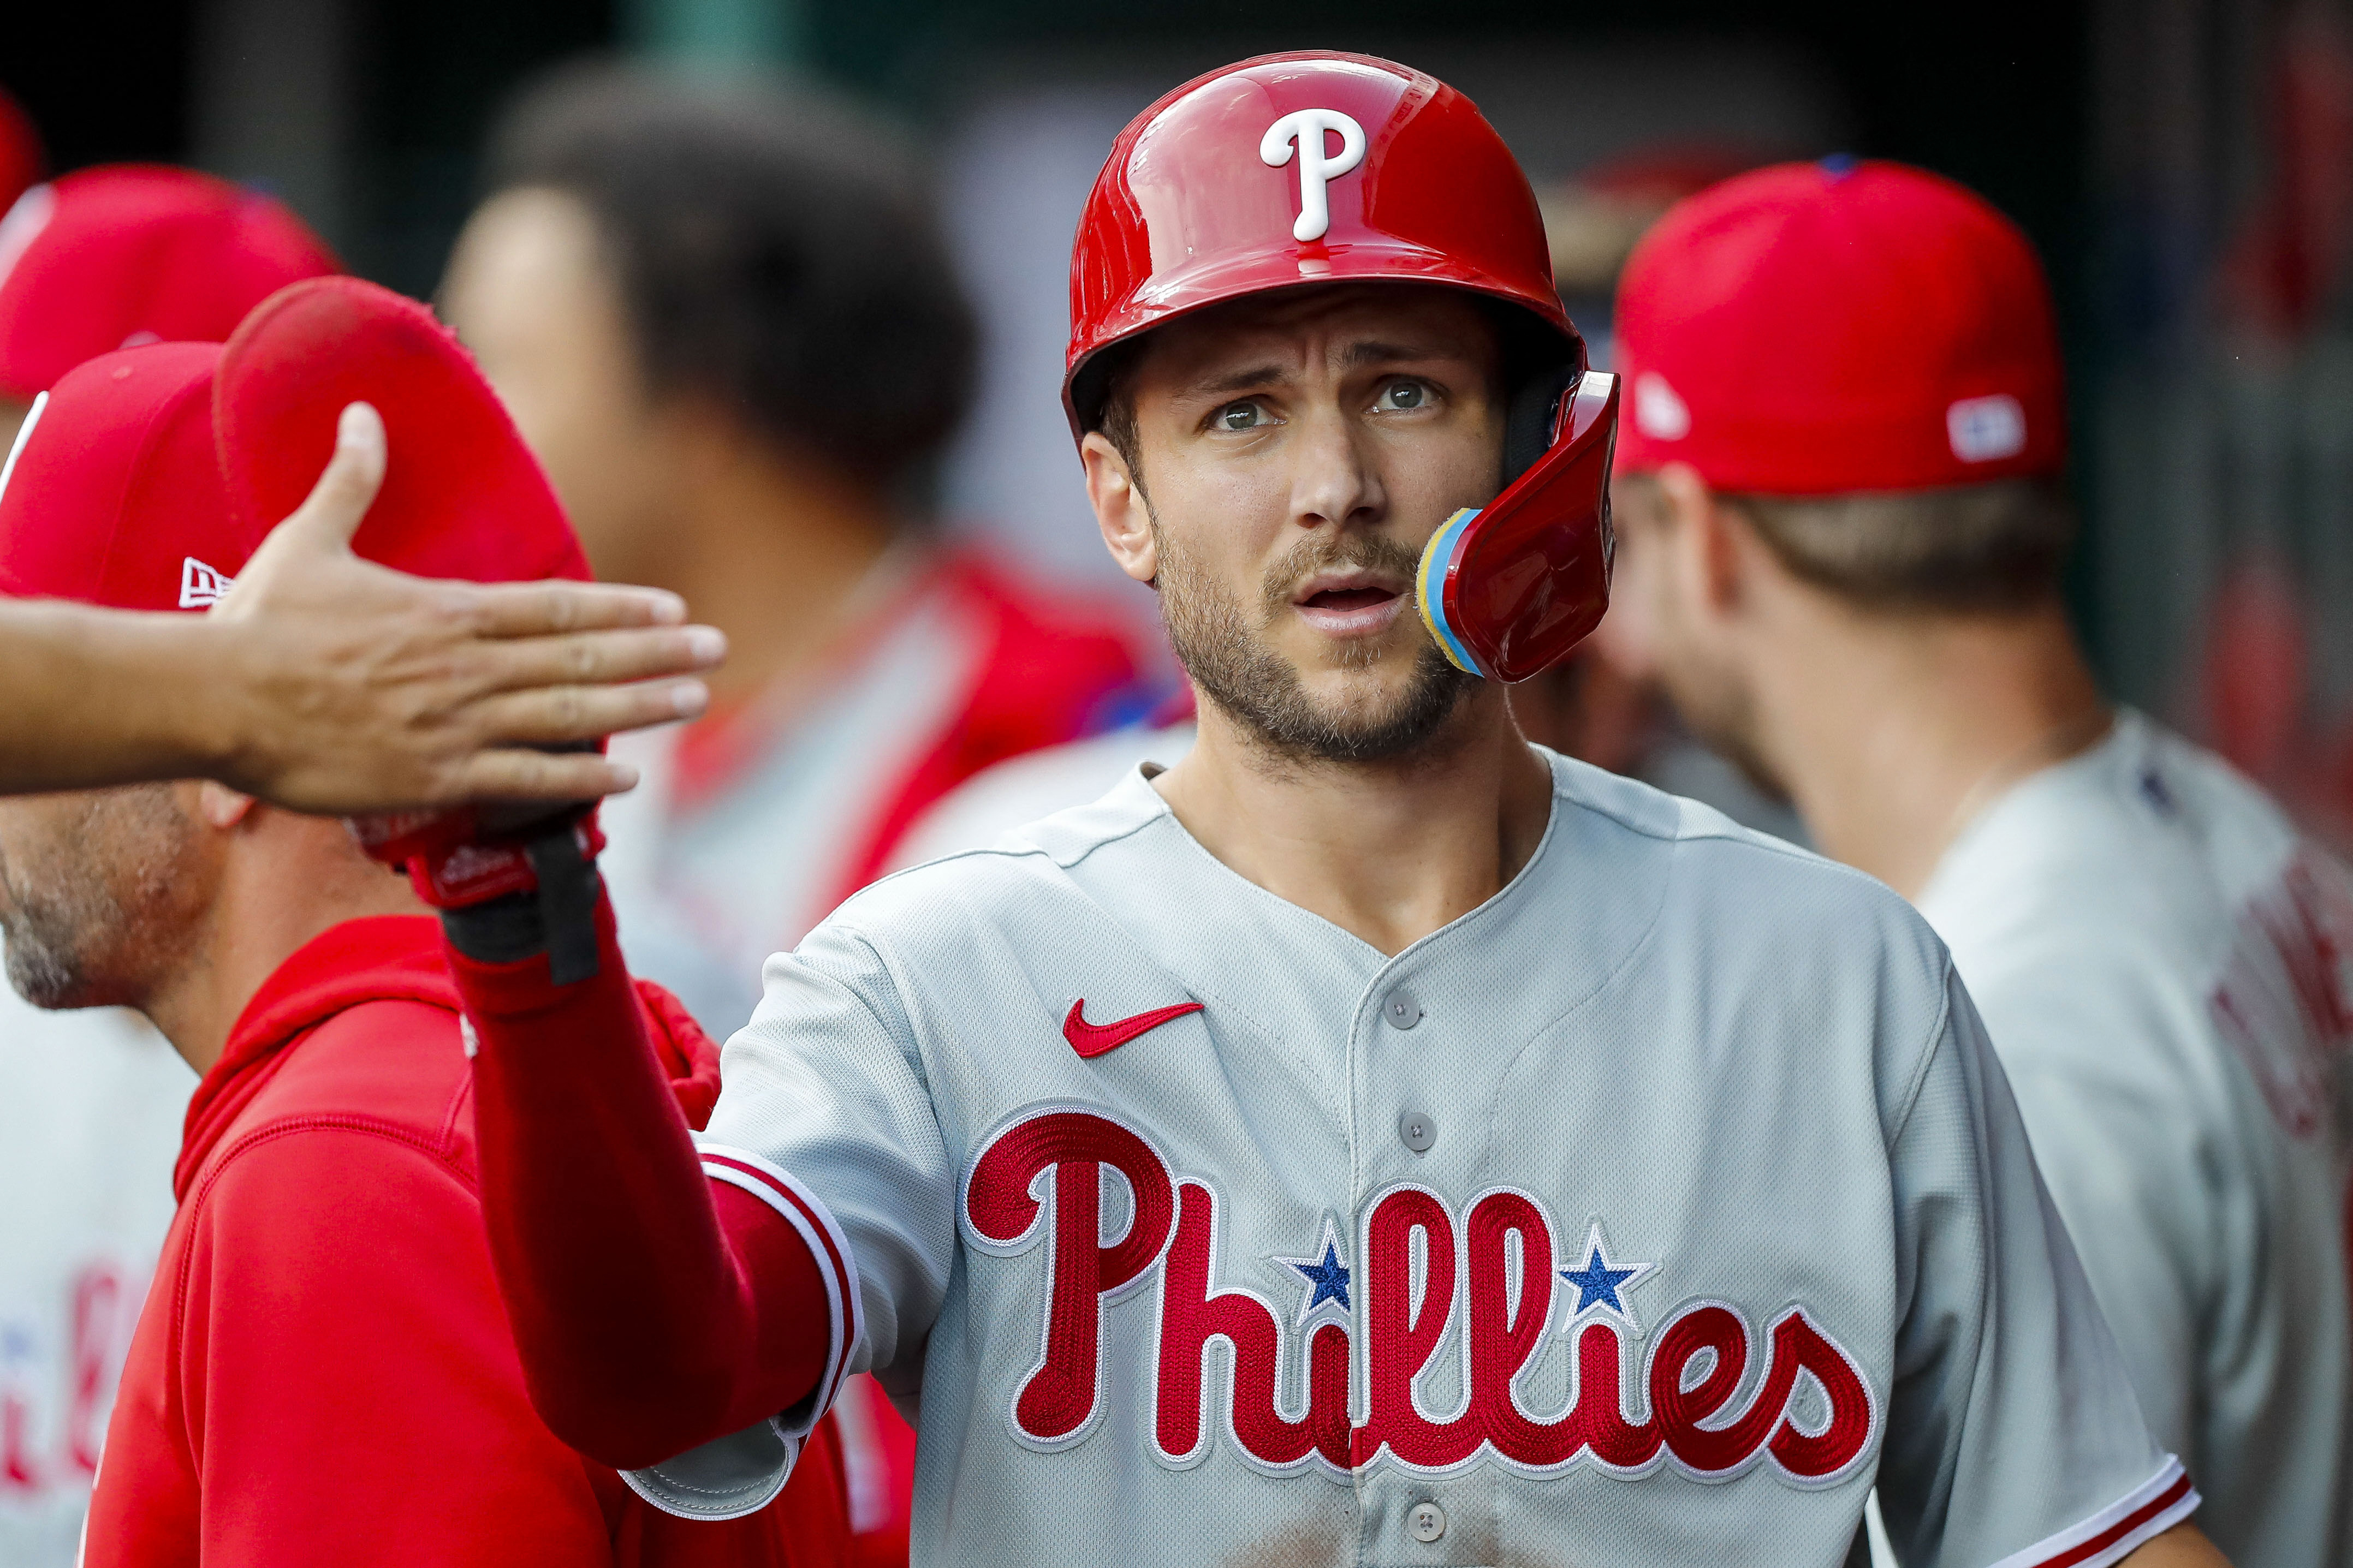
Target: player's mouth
(1359,602)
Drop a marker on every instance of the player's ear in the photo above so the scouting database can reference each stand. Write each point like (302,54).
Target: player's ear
(1120,510)
(1697,534)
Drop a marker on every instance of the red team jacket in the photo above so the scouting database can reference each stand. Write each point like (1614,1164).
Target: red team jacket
(323,1371)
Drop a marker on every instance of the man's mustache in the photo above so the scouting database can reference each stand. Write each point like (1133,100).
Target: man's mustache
(1329,552)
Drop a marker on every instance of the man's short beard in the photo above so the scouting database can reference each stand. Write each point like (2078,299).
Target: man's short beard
(92,928)
(1230,660)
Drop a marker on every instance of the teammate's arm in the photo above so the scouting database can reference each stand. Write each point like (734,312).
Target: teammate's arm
(325,683)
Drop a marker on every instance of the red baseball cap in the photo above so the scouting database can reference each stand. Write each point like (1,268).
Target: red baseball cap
(462,496)
(127,254)
(113,494)
(1821,328)
(145,478)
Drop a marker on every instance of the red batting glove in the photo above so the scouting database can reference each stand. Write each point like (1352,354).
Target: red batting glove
(462,855)
(511,881)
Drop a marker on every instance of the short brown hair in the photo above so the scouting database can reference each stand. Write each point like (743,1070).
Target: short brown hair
(775,246)
(1988,548)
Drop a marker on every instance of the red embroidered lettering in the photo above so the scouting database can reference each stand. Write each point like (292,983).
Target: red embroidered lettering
(1192,1315)
(18,1472)
(1699,1361)
(1402,1335)
(1823,1456)
(1680,1402)
(1059,1400)
(1504,1341)
(1684,1406)
(2283,999)
(1498,1280)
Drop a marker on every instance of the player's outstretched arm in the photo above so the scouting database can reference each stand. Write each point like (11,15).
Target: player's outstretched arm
(325,683)
(653,1309)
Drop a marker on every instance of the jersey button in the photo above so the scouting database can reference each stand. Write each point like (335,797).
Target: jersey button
(1426,1522)
(1401,1010)
(1419,1130)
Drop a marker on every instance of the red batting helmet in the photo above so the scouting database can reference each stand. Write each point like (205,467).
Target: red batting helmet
(1294,170)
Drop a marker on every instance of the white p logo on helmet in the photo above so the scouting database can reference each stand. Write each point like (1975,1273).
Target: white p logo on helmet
(1305,129)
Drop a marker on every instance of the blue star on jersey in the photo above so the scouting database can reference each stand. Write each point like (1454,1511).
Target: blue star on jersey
(1600,1286)
(1326,1274)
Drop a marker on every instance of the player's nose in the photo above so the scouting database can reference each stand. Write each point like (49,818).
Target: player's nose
(1333,480)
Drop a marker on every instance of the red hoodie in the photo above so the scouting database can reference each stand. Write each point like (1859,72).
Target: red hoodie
(323,1371)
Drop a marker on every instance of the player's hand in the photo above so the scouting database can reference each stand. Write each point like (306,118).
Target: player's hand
(350,688)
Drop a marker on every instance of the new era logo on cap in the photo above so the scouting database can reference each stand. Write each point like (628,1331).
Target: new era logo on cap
(24,434)
(1985,429)
(1658,412)
(1839,329)
(202,586)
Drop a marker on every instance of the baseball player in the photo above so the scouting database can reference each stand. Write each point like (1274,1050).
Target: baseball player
(1373,1138)
(748,420)
(323,1370)
(322,682)
(1850,579)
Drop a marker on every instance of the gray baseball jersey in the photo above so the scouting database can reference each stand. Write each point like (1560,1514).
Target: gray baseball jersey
(2162,965)
(1646,1214)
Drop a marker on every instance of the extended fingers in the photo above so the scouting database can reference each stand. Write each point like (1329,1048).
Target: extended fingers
(539,775)
(553,715)
(591,659)
(537,609)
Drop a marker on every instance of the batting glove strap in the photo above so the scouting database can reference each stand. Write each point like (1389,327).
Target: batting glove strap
(508,888)
(544,900)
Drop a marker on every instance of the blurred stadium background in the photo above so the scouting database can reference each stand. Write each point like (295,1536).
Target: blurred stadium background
(2186,166)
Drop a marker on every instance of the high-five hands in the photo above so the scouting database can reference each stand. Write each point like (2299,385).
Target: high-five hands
(367,689)
(325,683)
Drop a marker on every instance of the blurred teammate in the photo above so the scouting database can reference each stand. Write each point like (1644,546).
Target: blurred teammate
(324,683)
(320,681)
(726,323)
(323,1370)
(1373,1138)
(1844,531)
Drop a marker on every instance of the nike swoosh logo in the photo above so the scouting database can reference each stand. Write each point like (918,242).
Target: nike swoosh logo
(1092,1040)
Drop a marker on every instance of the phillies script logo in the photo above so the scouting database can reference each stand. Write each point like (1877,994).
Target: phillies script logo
(1709,1393)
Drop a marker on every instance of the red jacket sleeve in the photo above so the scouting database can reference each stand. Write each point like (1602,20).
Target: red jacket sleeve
(651,1315)
(349,1389)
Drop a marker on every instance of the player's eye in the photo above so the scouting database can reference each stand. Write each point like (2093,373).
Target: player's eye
(1243,416)
(1400,396)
